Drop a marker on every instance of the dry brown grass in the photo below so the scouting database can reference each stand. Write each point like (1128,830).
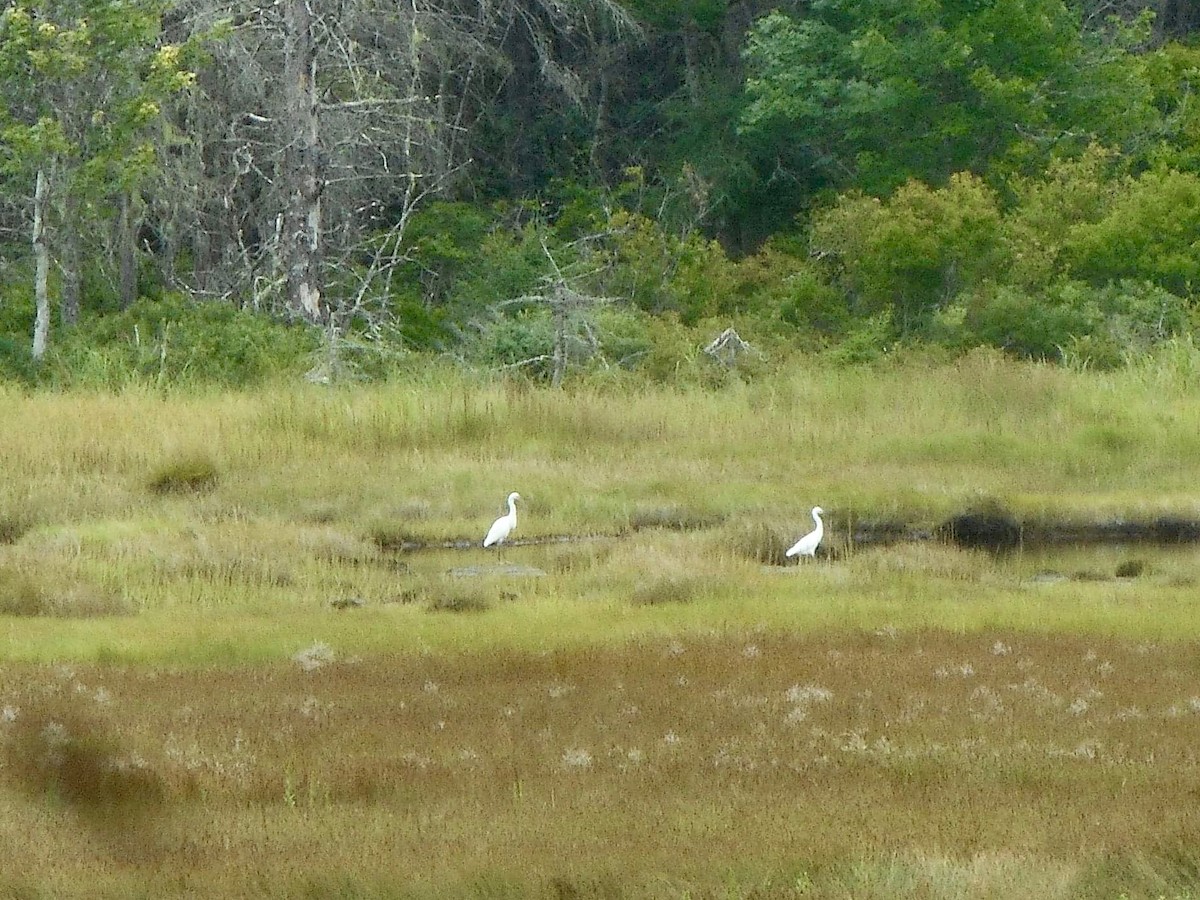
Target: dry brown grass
(868,764)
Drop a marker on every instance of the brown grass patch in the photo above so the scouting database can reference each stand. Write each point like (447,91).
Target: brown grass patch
(25,593)
(854,764)
(674,518)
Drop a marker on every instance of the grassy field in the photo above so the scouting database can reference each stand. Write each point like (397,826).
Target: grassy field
(224,671)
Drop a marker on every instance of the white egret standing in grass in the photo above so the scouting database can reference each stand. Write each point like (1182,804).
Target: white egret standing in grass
(807,545)
(504,525)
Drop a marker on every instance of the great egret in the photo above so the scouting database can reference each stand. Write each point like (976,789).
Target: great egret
(807,545)
(504,525)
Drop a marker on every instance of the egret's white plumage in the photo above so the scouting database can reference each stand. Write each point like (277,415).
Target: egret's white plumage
(504,525)
(807,545)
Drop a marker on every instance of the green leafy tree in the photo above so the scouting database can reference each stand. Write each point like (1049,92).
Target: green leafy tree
(81,88)
(1173,72)
(879,92)
(912,254)
(1045,210)
(1150,232)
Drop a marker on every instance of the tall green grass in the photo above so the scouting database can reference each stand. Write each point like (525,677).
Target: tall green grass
(913,440)
(198,510)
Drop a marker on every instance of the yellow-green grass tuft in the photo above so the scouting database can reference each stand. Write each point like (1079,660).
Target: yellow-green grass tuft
(188,473)
(761,542)
(25,593)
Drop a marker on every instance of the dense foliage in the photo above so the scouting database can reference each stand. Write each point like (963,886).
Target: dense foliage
(597,188)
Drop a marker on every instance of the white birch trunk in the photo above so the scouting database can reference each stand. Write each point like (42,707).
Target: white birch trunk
(41,254)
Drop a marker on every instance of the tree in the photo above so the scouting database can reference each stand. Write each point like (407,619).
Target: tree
(878,93)
(319,128)
(913,254)
(83,82)
(303,176)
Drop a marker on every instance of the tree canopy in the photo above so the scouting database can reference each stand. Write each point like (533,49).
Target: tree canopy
(836,174)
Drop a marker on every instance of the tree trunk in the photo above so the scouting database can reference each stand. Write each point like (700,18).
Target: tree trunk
(691,59)
(559,314)
(127,252)
(302,229)
(71,260)
(41,253)
(600,123)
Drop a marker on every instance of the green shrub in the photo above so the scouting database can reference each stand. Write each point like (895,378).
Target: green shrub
(810,302)
(512,341)
(1101,326)
(176,340)
(1027,326)
(868,340)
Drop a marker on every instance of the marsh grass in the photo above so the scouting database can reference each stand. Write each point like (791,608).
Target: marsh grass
(916,444)
(1004,764)
(761,542)
(670,589)
(661,714)
(194,472)
(674,518)
(929,559)
(34,593)
(16,522)
(460,598)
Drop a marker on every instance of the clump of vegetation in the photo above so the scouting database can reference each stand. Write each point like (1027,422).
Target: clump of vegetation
(16,522)
(458,599)
(762,543)
(331,546)
(395,539)
(21,594)
(580,557)
(1131,568)
(26,594)
(674,518)
(985,525)
(669,589)
(190,473)
(927,558)
(62,751)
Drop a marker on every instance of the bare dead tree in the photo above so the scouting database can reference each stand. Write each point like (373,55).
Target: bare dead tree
(319,127)
(301,173)
(571,309)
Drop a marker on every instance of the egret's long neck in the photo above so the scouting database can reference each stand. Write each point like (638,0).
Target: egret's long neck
(512,507)
(817,519)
